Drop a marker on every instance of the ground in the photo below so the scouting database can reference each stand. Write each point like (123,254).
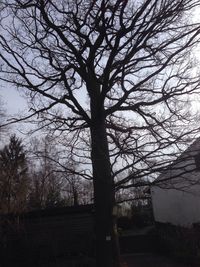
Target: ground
(150,260)
(128,260)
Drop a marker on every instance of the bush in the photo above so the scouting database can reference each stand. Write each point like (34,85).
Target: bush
(182,243)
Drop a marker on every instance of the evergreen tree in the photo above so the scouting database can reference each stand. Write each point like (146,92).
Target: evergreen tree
(13,177)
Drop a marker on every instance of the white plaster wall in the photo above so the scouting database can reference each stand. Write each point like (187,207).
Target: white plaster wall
(176,199)
(175,206)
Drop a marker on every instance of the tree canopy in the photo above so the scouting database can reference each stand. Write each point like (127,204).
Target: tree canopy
(130,62)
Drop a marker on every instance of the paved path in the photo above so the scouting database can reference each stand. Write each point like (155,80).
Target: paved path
(150,260)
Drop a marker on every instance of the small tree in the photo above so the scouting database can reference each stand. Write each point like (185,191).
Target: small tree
(13,177)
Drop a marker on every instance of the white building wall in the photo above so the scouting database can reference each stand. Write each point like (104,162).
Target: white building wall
(175,206)
(176,199)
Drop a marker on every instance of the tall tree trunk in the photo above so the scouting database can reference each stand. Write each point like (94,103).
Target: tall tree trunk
(107,252)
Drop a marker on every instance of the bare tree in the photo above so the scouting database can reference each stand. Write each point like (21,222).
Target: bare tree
(45,182)
(56,178)
(3,129)
(75,184)
(115,76)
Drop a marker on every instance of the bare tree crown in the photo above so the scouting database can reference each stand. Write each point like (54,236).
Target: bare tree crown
(127,63)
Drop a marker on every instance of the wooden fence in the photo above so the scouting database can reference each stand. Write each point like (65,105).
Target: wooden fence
(47,234)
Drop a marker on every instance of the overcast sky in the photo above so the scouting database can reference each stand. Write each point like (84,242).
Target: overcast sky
(14,103)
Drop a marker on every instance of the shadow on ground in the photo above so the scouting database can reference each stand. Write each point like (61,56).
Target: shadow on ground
(151,260)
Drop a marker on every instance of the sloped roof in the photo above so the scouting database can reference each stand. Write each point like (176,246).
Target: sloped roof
(180,168)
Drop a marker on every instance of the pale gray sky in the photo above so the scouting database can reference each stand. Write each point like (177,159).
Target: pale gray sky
(14,103)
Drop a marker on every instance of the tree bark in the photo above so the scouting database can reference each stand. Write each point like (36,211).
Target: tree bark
(107,249)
